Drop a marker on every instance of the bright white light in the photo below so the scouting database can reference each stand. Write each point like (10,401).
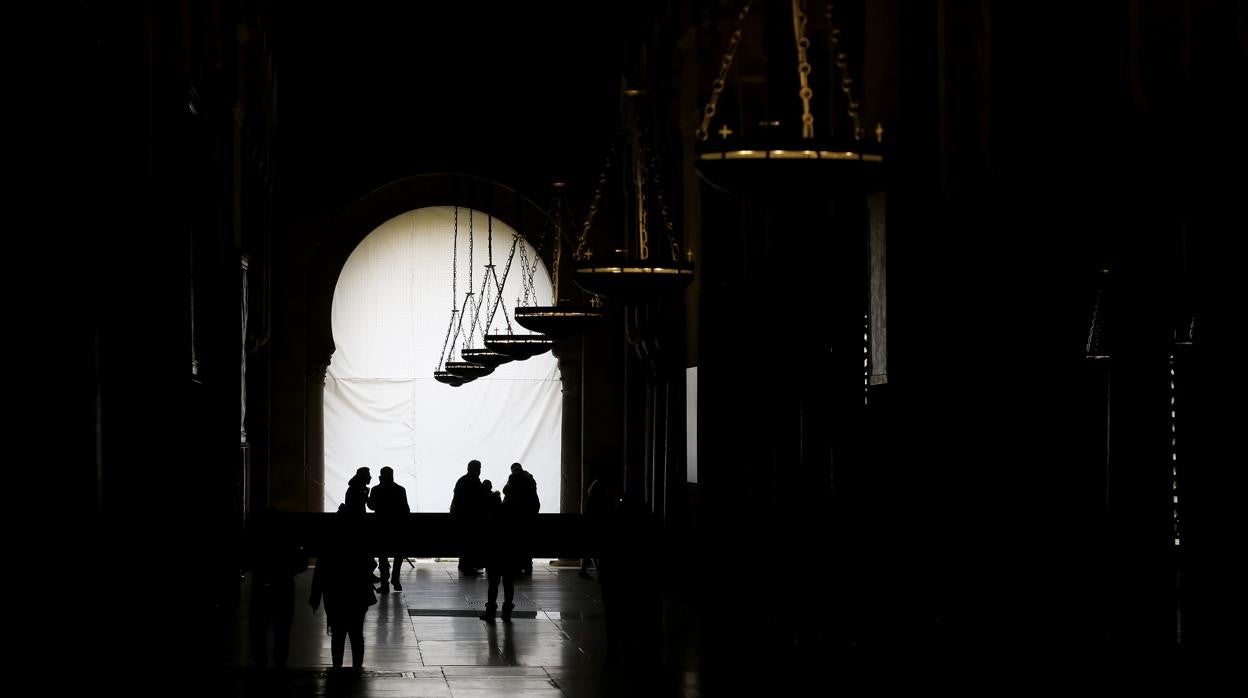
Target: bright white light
(382,406)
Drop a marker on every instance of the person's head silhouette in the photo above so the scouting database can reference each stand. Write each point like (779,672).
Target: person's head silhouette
(361,478)
(474,468)
(386,474)
(487,485)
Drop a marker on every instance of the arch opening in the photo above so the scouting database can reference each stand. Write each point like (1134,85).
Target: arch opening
(390,311)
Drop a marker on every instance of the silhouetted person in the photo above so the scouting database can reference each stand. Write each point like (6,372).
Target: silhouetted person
(389,500)
(490,494)
(521,492)
(631,597)
(500,547)
(275,559)
(466,507)
(344,579)
(357,493)
(598,507)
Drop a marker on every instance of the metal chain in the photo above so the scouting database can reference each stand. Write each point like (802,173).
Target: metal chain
(803,69)
(526,281)
(717,87)
(663,212)
(459,329)
(454,290)
(847,80)
(558,251)
(582,241)
(447,340)
(498,299)
(455,261)
(643,233)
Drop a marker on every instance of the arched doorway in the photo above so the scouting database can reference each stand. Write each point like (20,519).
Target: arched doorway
(390,319)
(330,256)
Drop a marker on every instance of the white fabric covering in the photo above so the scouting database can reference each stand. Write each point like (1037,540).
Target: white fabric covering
(382,405)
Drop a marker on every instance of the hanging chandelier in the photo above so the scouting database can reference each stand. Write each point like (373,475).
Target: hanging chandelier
(779,123)
(561,318)
(510,345)
(634,271)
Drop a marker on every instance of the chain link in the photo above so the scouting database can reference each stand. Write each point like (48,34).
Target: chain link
(455,261)
(717,87)
(558,251)
(582,241)
(643,232)
(664,215)
(803,69)
(847,80)
(498,299)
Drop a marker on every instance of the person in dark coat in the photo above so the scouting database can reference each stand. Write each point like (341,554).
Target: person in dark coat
(275,558)
(500,548)
(343,579)
(466,508)
(521,492)
(389,500)
(357,493)
(631,596)
(598,507)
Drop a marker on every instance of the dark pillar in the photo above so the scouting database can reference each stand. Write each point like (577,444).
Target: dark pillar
(571,483)
(314,435)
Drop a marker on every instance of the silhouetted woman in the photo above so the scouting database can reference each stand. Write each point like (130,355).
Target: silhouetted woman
(357,493)
(344,579)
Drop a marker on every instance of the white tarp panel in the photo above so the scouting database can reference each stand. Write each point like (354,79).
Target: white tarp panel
(383,407)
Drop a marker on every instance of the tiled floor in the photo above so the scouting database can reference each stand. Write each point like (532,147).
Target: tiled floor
(427,641)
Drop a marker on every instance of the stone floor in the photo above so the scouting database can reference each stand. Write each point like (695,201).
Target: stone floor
(427,641)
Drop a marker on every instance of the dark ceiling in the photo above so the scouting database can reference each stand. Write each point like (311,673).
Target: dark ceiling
(522,93)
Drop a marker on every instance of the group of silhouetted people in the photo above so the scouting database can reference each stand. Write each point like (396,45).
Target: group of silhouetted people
(494,528)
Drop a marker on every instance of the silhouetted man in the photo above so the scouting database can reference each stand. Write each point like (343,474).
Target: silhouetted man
(389,500)
(521,494)
(466,509)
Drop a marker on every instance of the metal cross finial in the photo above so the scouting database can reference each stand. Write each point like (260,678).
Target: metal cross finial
(724,131)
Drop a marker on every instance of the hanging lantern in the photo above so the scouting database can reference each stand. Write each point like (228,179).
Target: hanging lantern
(637,272)
(558,322)
(465,369)
(485,357)
(519,346)
(778,140)
(450,378)
(560,319)
(476,362)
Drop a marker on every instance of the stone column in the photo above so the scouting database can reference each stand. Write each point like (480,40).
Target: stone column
(571,481)
(314,433)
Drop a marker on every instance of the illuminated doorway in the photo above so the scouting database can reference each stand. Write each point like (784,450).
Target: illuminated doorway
(391,309)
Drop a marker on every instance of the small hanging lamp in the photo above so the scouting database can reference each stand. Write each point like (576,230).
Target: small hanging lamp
(489,297)
(508,343)
(561,318)
(774,140)
(456,373)
(634,272)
